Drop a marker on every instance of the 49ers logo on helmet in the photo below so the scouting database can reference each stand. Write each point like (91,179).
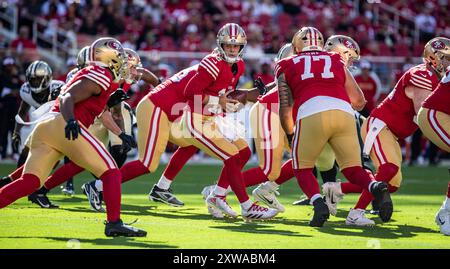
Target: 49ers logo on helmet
(348,44)
(114,45)
(438,45)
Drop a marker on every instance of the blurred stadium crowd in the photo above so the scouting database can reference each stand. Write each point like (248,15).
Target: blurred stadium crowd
(153,26)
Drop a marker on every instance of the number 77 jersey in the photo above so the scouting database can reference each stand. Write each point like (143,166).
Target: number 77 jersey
(311,74)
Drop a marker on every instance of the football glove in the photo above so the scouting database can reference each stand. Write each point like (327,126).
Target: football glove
(72,129)
(128,142)
(261,86)
(117,97)
(16,141)
(55,93)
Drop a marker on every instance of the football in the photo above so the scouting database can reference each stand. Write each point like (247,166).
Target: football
(238,95)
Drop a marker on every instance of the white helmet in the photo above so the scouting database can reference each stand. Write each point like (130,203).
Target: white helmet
(83,57)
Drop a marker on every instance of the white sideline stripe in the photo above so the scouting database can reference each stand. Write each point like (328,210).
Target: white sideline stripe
(151,143)
(442,134)
(101,149)
(102,84)
(295,145)
(200,137)
(376,145)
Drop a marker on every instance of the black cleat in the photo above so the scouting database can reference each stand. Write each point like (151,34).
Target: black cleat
(304,201)
(118,228)
(383,199)
(321,213)
(40,198)
(375,208)
(164,196)
(5,181)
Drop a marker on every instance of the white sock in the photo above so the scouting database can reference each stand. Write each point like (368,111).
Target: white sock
(220,191)
(246,205)
(315,196)
(447,203)
(271,185)
(99,185)
(164,183)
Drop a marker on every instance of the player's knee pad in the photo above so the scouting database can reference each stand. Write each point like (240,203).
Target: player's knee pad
(118,155)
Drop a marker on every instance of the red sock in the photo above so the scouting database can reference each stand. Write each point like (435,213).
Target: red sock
(386,172)
(358,176)
(253,176)
(348,187)
(307,181)
(448,190)
(234,176)
(62,174)
(244,156)
(132,170)
(364,200)
(111,180)
(19,188)
(179,158)
(287,172)
(17,173)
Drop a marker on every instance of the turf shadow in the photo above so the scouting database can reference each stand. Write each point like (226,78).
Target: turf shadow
(116,241)
(258,228)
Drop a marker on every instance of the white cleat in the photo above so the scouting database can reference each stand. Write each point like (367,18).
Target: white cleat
(443,220)
(333,195)
(257,212)
(216,213)
(267,196)
(357,217)
(220,203)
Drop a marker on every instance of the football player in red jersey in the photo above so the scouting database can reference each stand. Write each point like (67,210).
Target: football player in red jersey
(64,133)
(393,119)
(316,88)
(434,117)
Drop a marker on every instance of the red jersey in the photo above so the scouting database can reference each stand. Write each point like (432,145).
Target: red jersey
(270,100)
(369,88)
(169,95)
(439,99)
(313,73)
(87,110)
(397,109)
(214,75)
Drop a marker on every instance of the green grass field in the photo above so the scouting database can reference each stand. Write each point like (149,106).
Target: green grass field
(75,225)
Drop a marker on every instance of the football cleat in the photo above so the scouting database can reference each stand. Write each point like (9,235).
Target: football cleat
(68,190)
(443,219)
(375,209)
(304,201)
(383,199)
(333,195)
(267,196)
(94,197)
(216,213)
(220,203)
(257,212)
(41,200)
(118,228)
(164,196)
(5,181)
(357,217)
(321,213)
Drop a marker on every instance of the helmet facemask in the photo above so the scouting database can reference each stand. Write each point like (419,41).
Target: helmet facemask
(133,62)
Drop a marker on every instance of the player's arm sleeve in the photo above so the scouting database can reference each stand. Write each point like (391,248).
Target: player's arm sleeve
(198,83)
